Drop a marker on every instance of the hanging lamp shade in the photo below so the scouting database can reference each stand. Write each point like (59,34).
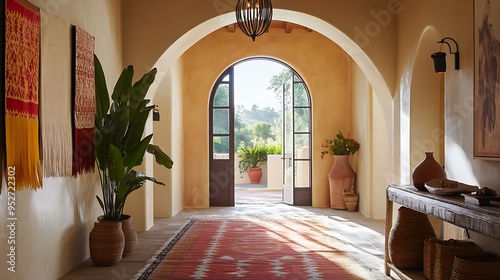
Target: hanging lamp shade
(254,16)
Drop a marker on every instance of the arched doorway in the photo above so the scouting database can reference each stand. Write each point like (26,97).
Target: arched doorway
(296,136)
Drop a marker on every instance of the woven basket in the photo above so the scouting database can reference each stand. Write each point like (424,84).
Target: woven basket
(479,266)
(430,256)
(351,200)
(445,252)
(106,242)
(406,239)
(129,233)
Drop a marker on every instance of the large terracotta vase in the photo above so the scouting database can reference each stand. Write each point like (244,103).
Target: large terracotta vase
(254,174)
(106,243)
(427,170)
(341,179)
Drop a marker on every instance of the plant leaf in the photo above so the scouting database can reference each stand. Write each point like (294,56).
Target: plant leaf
(100,203)
(160,157)
(136,155)
(101,91)
(123,85)
(116,167)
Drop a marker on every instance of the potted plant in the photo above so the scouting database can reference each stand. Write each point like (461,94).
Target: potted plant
(119,142)
(341,175)
(251,160)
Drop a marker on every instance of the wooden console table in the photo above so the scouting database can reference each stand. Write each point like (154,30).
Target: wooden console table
(452,209)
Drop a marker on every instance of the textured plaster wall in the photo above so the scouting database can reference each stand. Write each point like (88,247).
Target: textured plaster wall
(53,224)
(420,23)
(320,62)
(168,199)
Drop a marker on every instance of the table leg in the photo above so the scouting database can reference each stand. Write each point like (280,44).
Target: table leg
(388,226)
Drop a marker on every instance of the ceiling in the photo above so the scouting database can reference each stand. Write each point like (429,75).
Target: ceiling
(288,27)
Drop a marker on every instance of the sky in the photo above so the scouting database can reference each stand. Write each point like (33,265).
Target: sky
(251,82)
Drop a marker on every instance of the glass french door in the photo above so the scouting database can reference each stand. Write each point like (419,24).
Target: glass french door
(296,142)
(221,164)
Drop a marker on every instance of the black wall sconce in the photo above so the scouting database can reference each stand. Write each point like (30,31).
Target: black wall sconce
(156,114)
(439,58)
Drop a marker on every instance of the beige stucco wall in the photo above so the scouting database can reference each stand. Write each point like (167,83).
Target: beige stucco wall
(418,25)
(370,24)
(168,199)
(320,62)
(53,224)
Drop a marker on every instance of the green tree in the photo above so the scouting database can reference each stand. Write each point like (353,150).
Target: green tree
(263,131)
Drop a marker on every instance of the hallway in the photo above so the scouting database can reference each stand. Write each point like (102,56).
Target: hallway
(366,234)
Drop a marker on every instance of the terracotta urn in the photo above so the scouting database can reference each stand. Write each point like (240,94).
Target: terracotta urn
(427,170)
(340,179)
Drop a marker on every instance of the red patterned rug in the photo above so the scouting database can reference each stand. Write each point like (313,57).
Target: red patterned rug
(269,249)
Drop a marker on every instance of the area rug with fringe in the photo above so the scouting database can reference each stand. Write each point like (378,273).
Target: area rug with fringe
(259,249)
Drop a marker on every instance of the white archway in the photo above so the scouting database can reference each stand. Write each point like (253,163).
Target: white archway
(373,75)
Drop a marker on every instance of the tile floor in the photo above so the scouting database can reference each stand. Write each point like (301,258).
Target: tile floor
(251,201)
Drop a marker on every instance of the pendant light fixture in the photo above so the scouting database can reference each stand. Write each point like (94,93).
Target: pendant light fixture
(254,16)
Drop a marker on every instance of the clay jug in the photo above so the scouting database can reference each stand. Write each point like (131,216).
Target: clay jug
(340,179)
(427,170)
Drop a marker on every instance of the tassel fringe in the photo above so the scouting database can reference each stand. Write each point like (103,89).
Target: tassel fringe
(23,151)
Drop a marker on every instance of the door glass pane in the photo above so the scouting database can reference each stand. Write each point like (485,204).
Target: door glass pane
(301,119)
(226,78)
(302,174)
(221,147)
(288,193)
(302,146)
(221,121)
(221,98)
(300,95)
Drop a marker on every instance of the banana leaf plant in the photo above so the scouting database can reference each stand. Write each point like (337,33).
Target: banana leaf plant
(118,138)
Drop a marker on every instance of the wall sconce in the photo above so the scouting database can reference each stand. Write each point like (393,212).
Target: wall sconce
(156,114)
(439,58)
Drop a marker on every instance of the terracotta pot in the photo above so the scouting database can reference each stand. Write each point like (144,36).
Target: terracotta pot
(427,170)
(106,243)
(129,233)
(255,174)
(340,179)
(406,239)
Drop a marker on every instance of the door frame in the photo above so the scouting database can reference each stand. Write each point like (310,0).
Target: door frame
(221,171)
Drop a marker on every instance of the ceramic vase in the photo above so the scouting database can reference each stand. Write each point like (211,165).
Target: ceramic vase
(340,179)
(427,170)
(106,242)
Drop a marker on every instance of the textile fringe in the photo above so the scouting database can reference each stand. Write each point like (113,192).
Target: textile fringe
(57,152)
(83,156)
(55,105)
(23,151)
